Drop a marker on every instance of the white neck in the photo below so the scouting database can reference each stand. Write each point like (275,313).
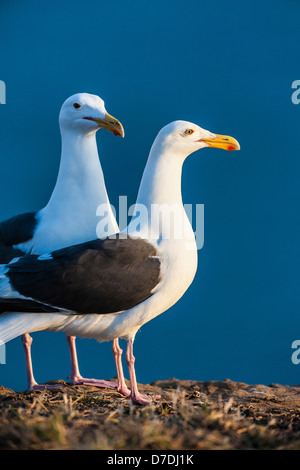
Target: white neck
(79,190)
(160,192)
(80,173)
(161,181)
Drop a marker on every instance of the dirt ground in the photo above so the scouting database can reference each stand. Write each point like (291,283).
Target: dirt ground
(190,415)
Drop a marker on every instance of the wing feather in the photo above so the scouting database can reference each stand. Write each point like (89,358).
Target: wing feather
(102,276)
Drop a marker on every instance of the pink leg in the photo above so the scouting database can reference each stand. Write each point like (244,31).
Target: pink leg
(76,377)
(117,352)
(32,384)
(136,396)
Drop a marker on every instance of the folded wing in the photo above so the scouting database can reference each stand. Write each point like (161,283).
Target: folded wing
(101,276)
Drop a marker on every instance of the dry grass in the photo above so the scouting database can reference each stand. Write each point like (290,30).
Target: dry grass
(190,415)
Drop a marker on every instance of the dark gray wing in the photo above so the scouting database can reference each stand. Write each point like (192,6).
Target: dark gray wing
(13,231)
(101,276)
(24,305)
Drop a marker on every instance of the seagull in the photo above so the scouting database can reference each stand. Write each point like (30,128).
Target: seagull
(108,288)
(70,215)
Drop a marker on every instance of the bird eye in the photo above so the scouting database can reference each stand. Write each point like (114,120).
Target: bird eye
(76,105)
(189,131)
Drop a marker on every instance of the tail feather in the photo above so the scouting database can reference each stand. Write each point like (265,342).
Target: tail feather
(14,324)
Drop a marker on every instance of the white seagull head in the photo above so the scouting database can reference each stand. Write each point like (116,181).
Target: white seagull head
(184,138)
(85,113)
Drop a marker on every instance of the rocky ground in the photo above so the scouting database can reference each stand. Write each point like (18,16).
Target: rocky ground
(190,415)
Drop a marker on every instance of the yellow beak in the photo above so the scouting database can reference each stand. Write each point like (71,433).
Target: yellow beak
(109,123)
(223,142)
